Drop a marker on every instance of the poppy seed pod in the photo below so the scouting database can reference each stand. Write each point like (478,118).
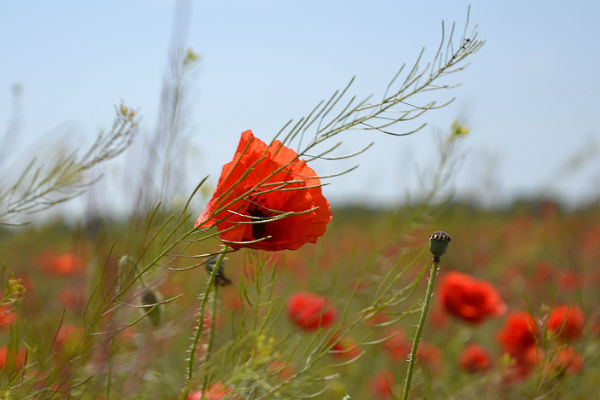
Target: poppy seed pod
(438,244)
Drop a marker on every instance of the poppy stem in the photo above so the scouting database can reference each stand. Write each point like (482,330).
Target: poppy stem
(209,287)
(211,334)
(413,353)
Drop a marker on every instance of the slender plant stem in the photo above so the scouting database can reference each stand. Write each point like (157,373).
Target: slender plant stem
(422,319)
(211,335)
(209,288)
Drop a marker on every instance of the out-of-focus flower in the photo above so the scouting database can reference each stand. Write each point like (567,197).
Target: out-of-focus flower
(263,183)
(569,360)
(310,311)
(65,264)
(397,346)
(518,333)
(457,129)
(543,272)
(596,327)
(430,355)
(469,299)
(377,317)
(67,339)
(345,348)
(7,316)
(568,280)
(281,368)
(216,392)
(232,300)
(381,385)
(475,358)
(437,316)
(72,298)
(16,363)
(566,359)
(566,321)
(523,364)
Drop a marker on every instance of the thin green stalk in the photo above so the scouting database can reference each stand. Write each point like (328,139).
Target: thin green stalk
(422,319)
(209,287)
(211,335)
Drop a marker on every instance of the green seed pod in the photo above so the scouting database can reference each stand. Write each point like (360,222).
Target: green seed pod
(438,244)
(153,309)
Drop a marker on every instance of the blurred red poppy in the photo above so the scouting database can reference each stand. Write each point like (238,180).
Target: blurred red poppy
(68,338)
(7,316)
(15,362)
(430,355)
(65,264)
(264,183)
(518,333)
(397,346)
(524,364)
(568,280)
(474,358)
(381,384)
(568,360)
(344,348)
(543,273)
(215,392)
(310,311)
(282,369)
(566,321)
(469,299)
(73,298)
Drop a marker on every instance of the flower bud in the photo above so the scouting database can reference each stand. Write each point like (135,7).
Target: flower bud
(153,310)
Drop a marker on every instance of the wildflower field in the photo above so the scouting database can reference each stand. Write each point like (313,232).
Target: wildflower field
(512,316)
(254,286)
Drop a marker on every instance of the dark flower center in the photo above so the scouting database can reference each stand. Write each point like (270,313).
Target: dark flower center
(258,212)
(258,228)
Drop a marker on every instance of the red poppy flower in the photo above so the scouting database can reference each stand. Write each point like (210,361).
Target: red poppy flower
(215,392)
(68,338)
(525,363)
(15,362)
(381,384)
(344,348)
(267,183)
(62,264)
(73,298)
(518,333)
(568,280)
(543,272)
(310,311)
(7,316)
(282,369)
(566,321)
(568,360)
(474,358)
(469,299)
(430,355)
(397,346)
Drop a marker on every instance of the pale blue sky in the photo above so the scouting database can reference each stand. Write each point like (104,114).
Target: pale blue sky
(530,95)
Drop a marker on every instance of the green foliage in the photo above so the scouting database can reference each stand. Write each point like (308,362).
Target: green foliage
(40,185)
